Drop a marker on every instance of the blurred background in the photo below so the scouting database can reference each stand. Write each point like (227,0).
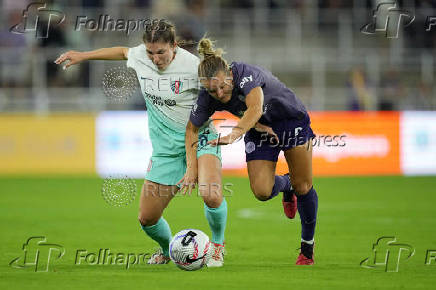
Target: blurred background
(354,84)
(371,98)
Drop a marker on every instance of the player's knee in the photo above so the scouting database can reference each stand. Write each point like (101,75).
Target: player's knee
(148,220)
(211,194)
(302,187)
(262,193)
(213,202)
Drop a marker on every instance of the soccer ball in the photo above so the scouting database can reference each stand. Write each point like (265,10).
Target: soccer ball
(189,249)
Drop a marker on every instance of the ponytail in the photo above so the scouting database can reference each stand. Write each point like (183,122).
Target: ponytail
(212,61)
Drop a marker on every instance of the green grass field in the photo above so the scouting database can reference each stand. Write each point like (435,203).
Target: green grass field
(261,243)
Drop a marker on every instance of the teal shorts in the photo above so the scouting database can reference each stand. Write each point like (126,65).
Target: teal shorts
(168,170)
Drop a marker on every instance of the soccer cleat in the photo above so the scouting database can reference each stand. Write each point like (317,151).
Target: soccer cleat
(289,203)
(217,258)
(306,254)
(158,258)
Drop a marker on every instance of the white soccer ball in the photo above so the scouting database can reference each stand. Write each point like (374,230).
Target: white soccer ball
(189,249)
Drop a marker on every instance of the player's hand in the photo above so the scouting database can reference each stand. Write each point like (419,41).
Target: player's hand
(72,57)
(235,135)
(188,182)
(263,128)
(226,140)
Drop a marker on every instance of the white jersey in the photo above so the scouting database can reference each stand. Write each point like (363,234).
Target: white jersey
(169,96)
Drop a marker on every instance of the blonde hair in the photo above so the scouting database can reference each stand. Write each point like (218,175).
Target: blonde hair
(212,61)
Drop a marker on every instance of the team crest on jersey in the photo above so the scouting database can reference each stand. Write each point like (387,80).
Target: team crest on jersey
(150,165)
(176,87)
(194,109)
(250,147)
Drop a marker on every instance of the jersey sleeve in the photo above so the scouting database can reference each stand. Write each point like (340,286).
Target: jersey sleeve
(249,79)
(202,109)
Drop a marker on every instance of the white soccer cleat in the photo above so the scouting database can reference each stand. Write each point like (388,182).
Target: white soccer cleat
(158,258)
(217,259)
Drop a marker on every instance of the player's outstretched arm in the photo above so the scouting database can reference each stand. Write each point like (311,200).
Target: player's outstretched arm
(75,57)
(190,179)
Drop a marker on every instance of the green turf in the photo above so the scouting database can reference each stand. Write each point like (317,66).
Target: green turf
(261,242)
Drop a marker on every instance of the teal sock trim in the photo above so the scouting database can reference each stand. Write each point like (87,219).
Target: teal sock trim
(217,218)
(161,233)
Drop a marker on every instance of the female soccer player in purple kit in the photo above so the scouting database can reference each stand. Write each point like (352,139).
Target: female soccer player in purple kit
(273,119)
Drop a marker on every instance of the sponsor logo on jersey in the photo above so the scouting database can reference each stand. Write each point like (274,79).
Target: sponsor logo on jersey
(150,165)
(265,108)
(194,109)
(176,86)
(170,102)
(246,80)
(159,101)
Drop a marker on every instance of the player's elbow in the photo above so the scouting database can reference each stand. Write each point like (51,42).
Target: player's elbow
(125,52)
(191,128)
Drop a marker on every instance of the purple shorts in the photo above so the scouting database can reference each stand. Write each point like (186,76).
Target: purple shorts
(291,133)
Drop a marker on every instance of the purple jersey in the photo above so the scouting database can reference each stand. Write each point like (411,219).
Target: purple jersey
(279,104)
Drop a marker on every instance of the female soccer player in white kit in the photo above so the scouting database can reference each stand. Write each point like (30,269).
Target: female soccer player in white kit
(168,78)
